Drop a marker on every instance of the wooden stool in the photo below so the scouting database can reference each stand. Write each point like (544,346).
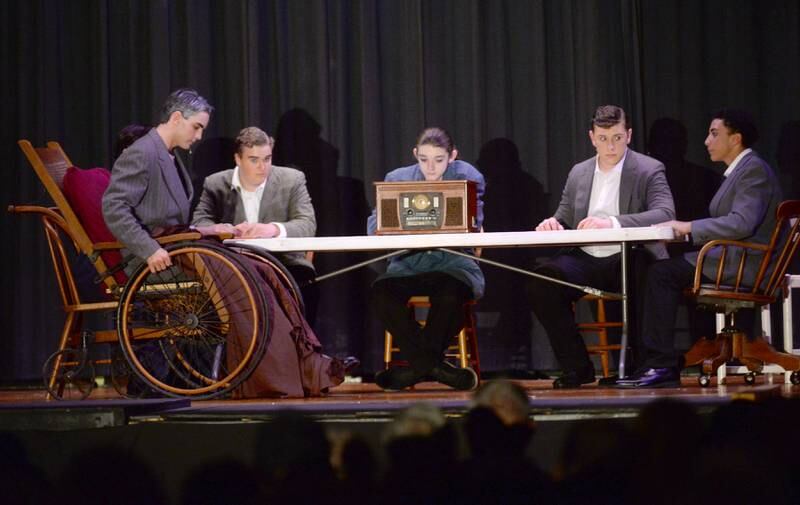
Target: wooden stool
(600,326)
(463,351)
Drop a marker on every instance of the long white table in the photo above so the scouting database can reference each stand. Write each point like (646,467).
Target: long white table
(451,242)
(461,240)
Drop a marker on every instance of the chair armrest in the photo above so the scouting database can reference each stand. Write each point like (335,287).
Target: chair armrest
(51,212)
(725,245)
(51,216)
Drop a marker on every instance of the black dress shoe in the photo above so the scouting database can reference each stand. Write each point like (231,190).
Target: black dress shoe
(609,381)
(397,378)
(573,379)
(653,378)
(636,376)
(464,379)
(350,363)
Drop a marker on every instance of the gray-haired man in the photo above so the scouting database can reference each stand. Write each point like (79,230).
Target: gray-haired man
(150,187)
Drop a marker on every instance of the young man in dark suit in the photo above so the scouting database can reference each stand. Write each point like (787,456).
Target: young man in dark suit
(616,188)
(742,209)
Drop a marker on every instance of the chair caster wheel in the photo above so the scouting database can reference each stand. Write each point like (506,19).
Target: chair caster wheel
(750,378)
(704,380)
(795,378)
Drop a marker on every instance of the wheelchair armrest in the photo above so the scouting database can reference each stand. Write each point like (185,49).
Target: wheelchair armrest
(210,232)
(178,237)
(163,240)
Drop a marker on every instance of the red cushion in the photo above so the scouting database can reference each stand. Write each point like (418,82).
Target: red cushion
(84,191)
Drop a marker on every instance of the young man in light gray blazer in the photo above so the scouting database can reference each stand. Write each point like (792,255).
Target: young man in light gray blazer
(742,209)
(616,188)
(257,199)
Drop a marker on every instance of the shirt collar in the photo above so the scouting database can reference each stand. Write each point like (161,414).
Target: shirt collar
(617,168)
(735,162)
(236,182)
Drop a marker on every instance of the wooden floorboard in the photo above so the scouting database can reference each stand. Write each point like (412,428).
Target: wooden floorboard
(367,397)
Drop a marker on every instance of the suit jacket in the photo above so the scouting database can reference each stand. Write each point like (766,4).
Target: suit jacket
(285,200)
(148,190)
(743,209)
(644,195)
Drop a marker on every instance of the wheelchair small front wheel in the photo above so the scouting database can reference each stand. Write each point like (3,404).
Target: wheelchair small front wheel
(68,374)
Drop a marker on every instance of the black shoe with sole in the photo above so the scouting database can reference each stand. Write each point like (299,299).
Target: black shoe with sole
(653,378)
(350,363)
(609,381)
(463,379)
(574,379)
(397,378)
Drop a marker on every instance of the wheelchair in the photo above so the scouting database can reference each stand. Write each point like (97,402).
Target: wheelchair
(196,330)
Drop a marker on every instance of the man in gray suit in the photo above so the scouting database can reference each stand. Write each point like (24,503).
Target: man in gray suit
(257,199)
(150,188)
(742,209)
(617,188)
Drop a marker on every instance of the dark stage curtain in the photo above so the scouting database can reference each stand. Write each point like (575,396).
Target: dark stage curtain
(354,82)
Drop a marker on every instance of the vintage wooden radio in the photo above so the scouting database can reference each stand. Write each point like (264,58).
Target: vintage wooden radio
(426,207)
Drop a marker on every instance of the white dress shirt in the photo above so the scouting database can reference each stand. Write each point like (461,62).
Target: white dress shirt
(736,160)
(251,200)
(604,202)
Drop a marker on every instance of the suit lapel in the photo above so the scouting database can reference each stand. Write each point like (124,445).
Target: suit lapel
(626,183)
(269,195)
(172,179)
(584,194)
(238,205)
(231,200)
(186,179)
(726,185)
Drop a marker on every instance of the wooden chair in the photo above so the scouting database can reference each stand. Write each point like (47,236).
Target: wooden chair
(165,313)
(731,343)
(600,327)
(463,351)
(60,222)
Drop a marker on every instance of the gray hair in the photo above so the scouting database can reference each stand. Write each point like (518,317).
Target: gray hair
(185,100)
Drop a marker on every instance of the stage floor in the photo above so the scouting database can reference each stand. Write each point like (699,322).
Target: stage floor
(175,436)
(365,401)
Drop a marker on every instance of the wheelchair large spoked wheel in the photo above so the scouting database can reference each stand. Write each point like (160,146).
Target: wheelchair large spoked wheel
(197,329)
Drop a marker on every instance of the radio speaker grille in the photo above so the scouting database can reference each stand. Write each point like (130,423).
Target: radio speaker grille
(452,216)
(389,217)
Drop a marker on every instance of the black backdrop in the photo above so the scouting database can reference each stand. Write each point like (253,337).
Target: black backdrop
(372,74)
